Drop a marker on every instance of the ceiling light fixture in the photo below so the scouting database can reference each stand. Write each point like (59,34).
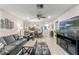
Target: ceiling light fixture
(40,6)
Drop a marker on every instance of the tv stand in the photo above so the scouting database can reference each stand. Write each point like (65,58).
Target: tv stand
(71,45)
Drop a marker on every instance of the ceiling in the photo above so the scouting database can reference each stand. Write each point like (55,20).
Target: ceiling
(30,10)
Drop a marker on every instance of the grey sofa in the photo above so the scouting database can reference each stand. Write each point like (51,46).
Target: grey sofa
(12,44)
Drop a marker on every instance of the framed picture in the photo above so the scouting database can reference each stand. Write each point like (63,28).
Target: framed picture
(6,23)
(2,23)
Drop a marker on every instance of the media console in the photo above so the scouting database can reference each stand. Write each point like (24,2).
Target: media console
(71,45)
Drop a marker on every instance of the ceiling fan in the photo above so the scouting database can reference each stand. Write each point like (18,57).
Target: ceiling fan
(40,7)
(39,14)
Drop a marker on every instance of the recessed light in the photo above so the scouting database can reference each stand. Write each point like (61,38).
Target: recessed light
(28,18)
(49,17)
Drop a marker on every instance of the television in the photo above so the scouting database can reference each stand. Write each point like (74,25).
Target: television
(70,27)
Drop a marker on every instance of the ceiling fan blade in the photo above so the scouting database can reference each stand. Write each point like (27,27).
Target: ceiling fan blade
(36,17)
(43,17)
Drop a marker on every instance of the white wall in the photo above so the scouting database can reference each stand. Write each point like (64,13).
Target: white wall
(70,13)
(17,21)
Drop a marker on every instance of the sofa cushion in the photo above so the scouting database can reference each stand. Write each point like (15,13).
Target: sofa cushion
(9,39)
(16,36)
(1,46)
(18,42)
(3,41)
(2,53)
(7,49)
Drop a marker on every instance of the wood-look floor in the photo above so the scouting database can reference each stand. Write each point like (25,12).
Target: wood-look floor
(54,48)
